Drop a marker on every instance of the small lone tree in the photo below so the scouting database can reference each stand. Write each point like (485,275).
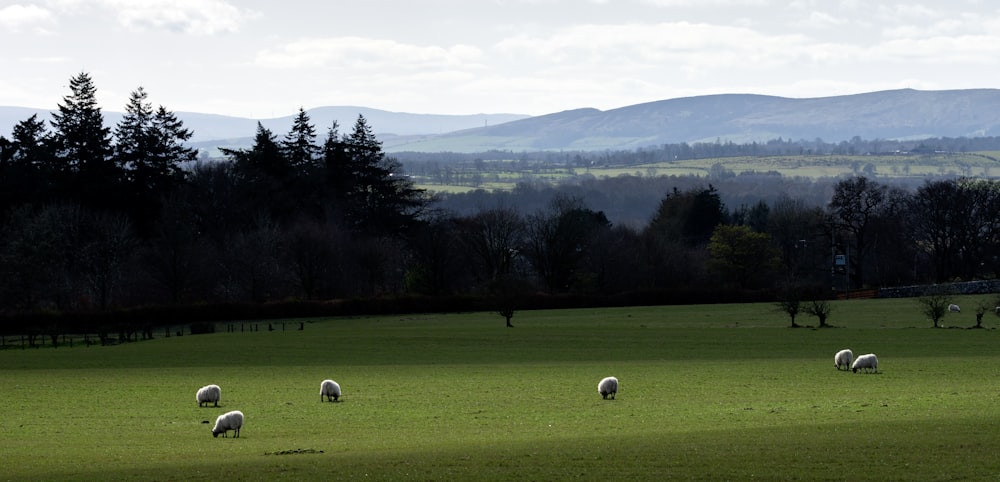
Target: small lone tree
(508,293)
(935,305)
(981,308)
(791,307)
(790,301)
(820,309)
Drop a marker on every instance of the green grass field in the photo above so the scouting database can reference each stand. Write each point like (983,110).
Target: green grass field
(722,392)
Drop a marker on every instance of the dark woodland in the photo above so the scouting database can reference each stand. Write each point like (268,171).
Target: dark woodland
(97,221)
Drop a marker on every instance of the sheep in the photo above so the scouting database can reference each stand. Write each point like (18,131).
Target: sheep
(209,394)
(843,358)
(954,308)
(866,363)
(228,421)
(329,389)
(608,386)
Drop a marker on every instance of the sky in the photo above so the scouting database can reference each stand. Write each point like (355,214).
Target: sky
(264,59)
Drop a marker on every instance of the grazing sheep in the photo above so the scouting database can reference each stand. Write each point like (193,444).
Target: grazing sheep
(868,363)
(608,386)
(209,394)
(954,308)
(228,421)
(329,389)
(843,358)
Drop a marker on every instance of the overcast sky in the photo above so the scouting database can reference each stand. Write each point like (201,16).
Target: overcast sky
(263,58)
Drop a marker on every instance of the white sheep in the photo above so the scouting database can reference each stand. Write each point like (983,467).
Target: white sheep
(868,363)
(843,358)
(209,394)
(329,389)
(954,308)
(608,387)
(228,421)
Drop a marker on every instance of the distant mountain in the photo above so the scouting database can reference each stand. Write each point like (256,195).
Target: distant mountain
(893,114)
(219,129)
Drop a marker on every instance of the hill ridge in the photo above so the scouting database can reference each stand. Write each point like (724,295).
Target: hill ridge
(740,118)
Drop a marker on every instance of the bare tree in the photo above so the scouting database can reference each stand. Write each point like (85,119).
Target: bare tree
(557,242)
(857,206)
(934,305)
(108,244)
(791,307)
(313,257)
(820,309)
(790,302)
(508,293)
(494,238)
(251,263)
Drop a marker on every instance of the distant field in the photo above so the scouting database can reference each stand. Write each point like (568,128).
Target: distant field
(710,392)
(976,164)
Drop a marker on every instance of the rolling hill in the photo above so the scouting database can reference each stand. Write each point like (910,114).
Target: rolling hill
(896,114)
(893,114)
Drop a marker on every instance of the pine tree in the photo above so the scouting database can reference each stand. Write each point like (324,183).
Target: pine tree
(264,176)
(171,153)
(87,169)
(263,160)
(299,146)
(133,136)
(26,163)
(336,176)
(379,197)
(150,150)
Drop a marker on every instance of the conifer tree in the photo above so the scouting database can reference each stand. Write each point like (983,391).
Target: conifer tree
(150,149)
(379,198)
(87,170)
(299,146)
(25,163)
(264,176)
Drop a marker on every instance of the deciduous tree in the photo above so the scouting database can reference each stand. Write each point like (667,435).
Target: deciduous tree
(741,256)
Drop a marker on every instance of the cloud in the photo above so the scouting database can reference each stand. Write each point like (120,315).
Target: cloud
(706,3)
(364,54)
(193,17)
(16,18)
(199,17)
(677,45)
(824,20)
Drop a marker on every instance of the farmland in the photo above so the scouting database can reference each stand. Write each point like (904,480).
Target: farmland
(504,175)
(708,392)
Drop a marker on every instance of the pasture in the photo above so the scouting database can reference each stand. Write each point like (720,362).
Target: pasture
(713,392)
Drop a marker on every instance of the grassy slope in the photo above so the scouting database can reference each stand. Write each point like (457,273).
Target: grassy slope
(708,392)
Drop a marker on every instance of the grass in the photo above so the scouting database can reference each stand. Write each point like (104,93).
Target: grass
(708,393)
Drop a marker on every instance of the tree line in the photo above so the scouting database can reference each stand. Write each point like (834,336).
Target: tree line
(97,219)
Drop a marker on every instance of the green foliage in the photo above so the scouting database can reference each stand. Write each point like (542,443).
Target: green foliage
(742,256)
(708,392)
